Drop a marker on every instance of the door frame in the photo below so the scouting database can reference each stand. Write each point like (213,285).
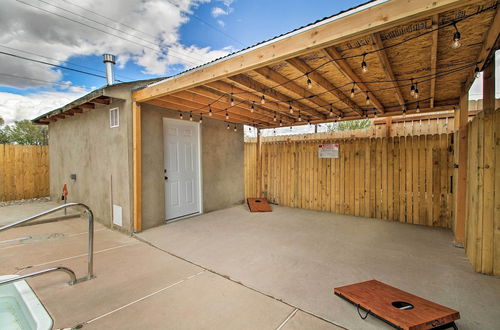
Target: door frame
(198,127)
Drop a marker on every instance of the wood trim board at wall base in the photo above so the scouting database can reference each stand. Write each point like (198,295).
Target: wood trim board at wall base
(377,298)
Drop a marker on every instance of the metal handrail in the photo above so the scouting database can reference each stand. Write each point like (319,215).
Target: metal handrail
(90,257)
(41,272)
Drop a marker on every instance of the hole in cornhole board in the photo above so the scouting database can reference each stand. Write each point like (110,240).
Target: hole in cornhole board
(396,307)
(258,205)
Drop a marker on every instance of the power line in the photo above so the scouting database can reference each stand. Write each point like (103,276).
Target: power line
(67,62)
(55,65)
(33,79)
(103,31)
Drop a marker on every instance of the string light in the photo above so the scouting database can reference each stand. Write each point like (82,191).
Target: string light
(404,112)
(227,126)
(290,108)
(367,99)
(412,89)
(309,122)
(477,72)
(364,67)
(331,111)
(274,119)
(232,100)
(418,107)
(252,109)
(235,128)
(201,118)
(263,99)
(416,90)
(274,131)
(227,115)
(375,114)
(456,38)
(190,116)
(300,118)
(180,115)
(309,82)
(210,111)
(352,91)
(281,122)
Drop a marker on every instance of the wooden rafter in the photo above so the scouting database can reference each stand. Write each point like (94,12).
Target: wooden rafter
(349,73)
(87,106)
(294,88)
(273,94)
(386,64)
(189,101)
(102,100)
(243,104)
(325,84)
(489,43)
(434,47)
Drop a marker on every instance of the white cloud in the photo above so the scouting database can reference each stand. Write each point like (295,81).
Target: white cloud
(221,22)
(18,107)
(33,30)
(218,11)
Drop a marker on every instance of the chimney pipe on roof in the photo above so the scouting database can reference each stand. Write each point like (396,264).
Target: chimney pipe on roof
(108,61)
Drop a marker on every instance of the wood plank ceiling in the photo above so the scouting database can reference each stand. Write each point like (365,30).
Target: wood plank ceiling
(330,84)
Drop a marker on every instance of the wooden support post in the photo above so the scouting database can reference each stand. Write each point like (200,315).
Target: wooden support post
(461,190)
(258,164)
(137,159)
(488,168)
(388,126)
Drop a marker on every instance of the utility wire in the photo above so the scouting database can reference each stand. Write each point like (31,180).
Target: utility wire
(55,65)
(103,31)
(67,62)
(33,79)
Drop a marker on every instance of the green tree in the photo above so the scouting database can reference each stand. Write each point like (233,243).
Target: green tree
(349,125)
(24,132)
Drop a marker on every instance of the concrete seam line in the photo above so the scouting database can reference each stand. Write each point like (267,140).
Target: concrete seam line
(83,255)
(287,319)
(140,299)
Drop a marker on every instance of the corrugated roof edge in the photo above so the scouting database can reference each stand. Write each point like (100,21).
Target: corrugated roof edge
(93,94)
(324,20)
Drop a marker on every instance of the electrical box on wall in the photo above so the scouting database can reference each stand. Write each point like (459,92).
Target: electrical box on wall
(117,215)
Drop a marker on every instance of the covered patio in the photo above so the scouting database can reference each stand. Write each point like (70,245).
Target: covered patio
(299,256)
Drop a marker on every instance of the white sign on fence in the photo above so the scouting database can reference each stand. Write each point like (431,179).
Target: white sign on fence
(328,151)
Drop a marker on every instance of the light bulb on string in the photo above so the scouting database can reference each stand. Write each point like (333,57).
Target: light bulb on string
(232,100)
(418,107)
(309,122)
(281,122)
(300,118)
(235,128)
(364,67)
(367,99)
(180,115)
(227,115)
(263,99)
(416,90)
(331,111)
(412,88)
(274,131)
(274,118)
(352,91)
(456,43)
(404,112)
(190,116)
(252,109)
(209,111)
(227,126)
(477,72)
(309,82)
(201,118)
(290,108)
(375,114)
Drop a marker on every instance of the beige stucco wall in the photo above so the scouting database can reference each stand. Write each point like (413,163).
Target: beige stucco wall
(222,165)
(85,145)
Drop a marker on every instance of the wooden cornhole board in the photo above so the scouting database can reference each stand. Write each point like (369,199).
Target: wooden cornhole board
(377,299)
(258,205)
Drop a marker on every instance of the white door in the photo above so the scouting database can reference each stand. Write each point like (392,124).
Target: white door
(182,168)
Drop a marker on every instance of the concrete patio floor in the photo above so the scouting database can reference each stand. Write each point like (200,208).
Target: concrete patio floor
(299,256)
(137,286)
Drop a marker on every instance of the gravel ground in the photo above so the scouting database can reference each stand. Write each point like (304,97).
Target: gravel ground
(25,201)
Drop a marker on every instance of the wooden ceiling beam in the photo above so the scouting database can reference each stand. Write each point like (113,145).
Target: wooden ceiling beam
(344,67)
(87,105)
(434,48)
(293,87)
(273,94)
(194,102)
(214,95)
(325,84)
(333,31)
(489,45)
(378,46)
(241,94)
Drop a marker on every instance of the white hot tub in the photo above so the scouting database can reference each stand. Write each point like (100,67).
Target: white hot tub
(20,308)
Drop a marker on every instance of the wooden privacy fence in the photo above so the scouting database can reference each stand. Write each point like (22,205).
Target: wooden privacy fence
(482,229)
(24,172)
(406,179)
